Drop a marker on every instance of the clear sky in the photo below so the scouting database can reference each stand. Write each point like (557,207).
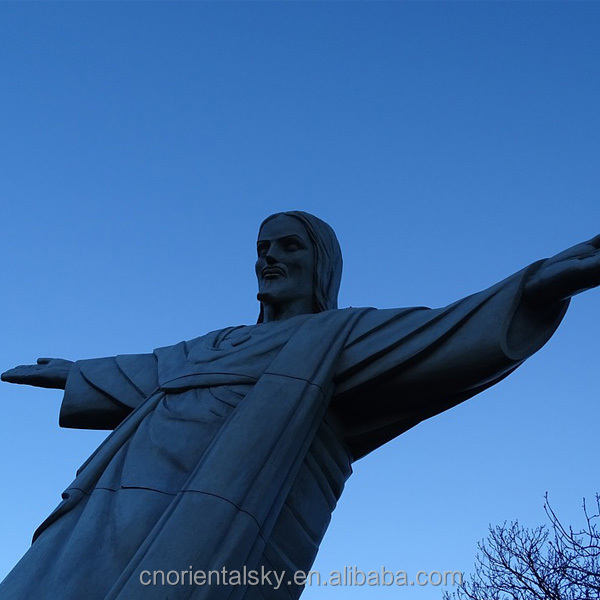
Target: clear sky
(448,144)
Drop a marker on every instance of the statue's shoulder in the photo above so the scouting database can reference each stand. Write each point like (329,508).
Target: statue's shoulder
(232,336)
(182,349)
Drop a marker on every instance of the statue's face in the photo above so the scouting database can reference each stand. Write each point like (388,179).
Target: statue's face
(286,262)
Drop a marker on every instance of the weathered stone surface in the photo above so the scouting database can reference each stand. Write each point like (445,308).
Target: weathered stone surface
(231,450)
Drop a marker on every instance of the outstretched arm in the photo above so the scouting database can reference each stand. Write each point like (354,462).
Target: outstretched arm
(99,393)
(402,366)
(571,272)
(47,373)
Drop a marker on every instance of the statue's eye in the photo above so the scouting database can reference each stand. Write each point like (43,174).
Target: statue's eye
(292,247)
(261,250)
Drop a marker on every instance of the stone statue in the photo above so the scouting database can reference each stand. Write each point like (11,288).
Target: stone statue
(230,451)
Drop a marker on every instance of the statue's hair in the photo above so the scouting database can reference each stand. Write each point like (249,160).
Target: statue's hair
(327,275)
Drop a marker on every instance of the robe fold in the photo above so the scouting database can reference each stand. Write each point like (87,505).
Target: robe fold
(230,451)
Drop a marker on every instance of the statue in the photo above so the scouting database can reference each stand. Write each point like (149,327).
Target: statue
(230,451)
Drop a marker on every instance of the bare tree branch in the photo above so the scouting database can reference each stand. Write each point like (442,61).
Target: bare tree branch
(552,562)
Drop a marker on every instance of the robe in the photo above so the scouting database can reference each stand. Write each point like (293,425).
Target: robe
(229,452)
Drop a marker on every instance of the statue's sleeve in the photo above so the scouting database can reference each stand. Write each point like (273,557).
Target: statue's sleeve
(401,366)
(101,392)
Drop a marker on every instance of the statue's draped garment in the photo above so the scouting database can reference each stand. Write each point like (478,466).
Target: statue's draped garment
(231,450)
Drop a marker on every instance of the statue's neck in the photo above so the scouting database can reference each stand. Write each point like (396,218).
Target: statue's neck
(287,310)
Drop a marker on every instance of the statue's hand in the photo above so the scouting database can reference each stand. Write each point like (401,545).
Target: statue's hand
(573,271)
(47,373)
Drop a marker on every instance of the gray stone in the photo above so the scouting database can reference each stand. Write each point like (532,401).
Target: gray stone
(230,451)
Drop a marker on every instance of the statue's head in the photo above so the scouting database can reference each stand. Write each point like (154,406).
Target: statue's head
(299,264)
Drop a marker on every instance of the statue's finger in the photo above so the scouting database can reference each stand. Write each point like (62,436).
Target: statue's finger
(43,361)
(13,375)
(22,371)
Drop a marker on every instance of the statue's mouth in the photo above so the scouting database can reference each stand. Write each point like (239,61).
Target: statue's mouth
(272,273)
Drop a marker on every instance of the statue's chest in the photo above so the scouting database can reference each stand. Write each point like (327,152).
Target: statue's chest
(231,356)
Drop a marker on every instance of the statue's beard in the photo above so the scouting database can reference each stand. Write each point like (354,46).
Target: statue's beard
(269,299)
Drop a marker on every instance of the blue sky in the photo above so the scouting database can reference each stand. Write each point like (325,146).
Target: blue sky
(448,144)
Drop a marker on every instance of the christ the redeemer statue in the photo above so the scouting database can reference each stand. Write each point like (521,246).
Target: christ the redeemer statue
(231,450)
